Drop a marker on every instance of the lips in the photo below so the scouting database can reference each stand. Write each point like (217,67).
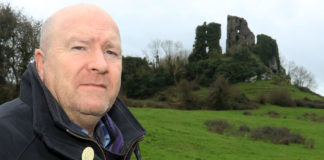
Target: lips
(94,85)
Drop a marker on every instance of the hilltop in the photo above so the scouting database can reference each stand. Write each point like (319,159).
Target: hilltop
(241,104)
(176,79)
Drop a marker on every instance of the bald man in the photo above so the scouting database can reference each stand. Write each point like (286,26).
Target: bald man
(68,106)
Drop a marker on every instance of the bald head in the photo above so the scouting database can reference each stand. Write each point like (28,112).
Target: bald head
(70,15)
(80,62)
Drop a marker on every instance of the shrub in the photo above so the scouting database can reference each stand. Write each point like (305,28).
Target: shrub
(281,97)
(306,102)
(132,103)
(311,116)
(219,94)
(218,126)
(273,114)
(244,128)
(277,135)
(261,99)
(242,65)
(162,97)
(153,104)
(247,113)
(223,96)
(187,98)
(310,143)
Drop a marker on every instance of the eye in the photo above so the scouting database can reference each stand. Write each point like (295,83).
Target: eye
(109,52)
(78,48)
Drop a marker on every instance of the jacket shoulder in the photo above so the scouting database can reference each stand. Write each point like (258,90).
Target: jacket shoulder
(16,128)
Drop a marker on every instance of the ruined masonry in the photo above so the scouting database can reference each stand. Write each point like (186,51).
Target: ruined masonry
(238,34)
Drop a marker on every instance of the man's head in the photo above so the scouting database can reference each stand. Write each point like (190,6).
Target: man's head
(80,60)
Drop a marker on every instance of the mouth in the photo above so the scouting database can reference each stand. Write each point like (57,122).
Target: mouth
(94,85)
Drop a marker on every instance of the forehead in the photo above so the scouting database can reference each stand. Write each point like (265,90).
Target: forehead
(90,26)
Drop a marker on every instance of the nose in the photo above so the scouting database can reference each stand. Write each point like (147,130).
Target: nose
(98,63)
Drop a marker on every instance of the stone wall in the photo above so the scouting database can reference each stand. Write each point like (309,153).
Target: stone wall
(238,34)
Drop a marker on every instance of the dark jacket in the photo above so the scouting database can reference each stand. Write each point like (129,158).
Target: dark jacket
(34,126)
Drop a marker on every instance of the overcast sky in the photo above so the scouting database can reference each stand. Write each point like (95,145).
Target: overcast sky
(297,25)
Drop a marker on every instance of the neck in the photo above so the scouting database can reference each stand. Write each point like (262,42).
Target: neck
(87,122)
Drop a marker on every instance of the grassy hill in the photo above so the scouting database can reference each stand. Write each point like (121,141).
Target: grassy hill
(252,90)
(182,135)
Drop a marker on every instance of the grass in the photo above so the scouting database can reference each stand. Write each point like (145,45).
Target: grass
(182,135)
(254,89)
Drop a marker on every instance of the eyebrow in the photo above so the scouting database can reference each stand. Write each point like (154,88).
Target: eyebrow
(80,39)
(86,40)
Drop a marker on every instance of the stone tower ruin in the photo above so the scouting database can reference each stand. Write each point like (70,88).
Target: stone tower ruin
(238,34)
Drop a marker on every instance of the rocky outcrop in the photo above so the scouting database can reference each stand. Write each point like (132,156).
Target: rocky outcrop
(238,34)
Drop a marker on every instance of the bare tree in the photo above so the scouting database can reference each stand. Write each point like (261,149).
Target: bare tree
(155,51)
(300,76)
(167,54)
(175,58)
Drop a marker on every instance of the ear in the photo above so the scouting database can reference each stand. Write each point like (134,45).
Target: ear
(40,60)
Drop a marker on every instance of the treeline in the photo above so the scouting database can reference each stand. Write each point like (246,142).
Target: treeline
(18,40)
(166,65)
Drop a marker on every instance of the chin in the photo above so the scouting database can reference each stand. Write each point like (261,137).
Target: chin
(96,109)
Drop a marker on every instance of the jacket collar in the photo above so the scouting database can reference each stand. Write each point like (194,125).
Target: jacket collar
(50,120)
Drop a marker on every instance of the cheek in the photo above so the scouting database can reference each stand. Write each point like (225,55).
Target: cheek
(115,74)
(115,69)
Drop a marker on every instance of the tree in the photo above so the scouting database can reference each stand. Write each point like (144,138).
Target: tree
(175,59)
(300,76)
(154,53)
(219,94)
(19,36)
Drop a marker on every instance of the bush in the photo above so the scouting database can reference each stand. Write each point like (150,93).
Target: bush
(310,143)
(242,65)
(244,128)
(277,135)
(247,113)
(261,99)
(223,96)
(311,116)
(218,126)
(162,97)
(219,94)
(273,114)
(281,97)
(187,98)
(267,133)
(153,104)
(309,103)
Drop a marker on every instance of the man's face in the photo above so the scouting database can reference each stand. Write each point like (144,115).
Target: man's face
(82,67)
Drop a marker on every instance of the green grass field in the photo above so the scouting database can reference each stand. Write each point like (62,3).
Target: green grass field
(182,135)
(252,90)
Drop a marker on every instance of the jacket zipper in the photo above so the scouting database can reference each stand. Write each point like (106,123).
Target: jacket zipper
(131,146)
(89,139)
(102,152)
